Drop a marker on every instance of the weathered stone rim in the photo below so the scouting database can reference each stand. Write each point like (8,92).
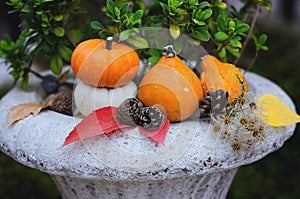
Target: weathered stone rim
(77,161)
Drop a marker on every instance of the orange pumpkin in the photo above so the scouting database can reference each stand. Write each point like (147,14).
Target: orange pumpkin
(172,85)
(103,63)
(217,75)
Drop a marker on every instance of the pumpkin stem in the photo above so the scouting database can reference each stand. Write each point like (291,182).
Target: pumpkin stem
(169,51)
(108,43)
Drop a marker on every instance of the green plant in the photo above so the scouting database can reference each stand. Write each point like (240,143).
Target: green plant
(51,29)
(48,33)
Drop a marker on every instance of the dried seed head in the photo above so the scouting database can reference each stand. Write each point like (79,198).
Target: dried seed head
(217,127)
(236,146)
(227,120)
(252,105)
(129,111)
(243,121)
(252,122)
(255,133)
(227,134)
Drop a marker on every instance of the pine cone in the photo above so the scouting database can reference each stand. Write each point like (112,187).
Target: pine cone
(62,103)
(129,111)
(214,105)
(151,118)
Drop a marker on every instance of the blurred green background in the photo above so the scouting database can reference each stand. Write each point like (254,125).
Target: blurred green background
(274,177)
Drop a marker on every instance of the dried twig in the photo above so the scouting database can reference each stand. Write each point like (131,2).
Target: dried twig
(249,34)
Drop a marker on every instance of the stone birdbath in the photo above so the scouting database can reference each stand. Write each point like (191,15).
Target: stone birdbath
(194,163)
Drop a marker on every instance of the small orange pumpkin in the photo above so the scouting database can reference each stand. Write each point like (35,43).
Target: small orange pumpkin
(103,63)
(172,85)
(217,75)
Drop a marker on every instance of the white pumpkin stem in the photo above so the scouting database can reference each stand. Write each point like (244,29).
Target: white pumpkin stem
(169,51)
(108,43)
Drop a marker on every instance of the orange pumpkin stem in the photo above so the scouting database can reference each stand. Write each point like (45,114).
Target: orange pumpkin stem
(108,43)
(169,51)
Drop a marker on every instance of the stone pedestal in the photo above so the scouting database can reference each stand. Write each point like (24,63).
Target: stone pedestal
(194,163)
(212,185)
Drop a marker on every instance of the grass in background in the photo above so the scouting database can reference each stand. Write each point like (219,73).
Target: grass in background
(274,177)
(18,181)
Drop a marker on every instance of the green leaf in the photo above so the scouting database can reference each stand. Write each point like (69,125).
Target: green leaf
(25,81)
(235,43)
(124,8)
(153,60)
(233,50)
(221,36)
(124,35)
(65,53)
(45,18)
(223,15)
(58,17)
(221,5)
(110,6)
(138,42)
(174,31)
(202,35)
(27,9)
(138,15)
(197,14)
(59,31)
(117,12)
(39,12)
(203,4)
(96,25)
(231,25)
(264,48)
(45,47)
(164,7)
(222,53)
(155,52)
(222,23)
(200,23)
(242,27)
(56,64)
(262,39)
(206,14)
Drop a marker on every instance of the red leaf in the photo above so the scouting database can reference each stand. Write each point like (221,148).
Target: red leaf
(159,135)
(101,121)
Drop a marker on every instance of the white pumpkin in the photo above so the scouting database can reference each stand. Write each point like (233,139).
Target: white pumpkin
(88,98)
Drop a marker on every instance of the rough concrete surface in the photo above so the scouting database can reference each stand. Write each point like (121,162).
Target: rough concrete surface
(127,163)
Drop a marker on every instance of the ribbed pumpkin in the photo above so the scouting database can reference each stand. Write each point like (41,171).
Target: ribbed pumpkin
(172,85)
(103,63)
(217,75)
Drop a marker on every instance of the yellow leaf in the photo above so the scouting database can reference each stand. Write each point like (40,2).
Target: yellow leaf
(275,112)
(21,111)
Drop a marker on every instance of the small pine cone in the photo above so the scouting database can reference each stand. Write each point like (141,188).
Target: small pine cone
(62,103)
(215,104)
(151,118)
(129,111)
(205,107)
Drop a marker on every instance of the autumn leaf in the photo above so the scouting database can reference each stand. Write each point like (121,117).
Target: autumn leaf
(158,135)
(61,103)
(104,121)
(21,111)
(275,112)
(101,121)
